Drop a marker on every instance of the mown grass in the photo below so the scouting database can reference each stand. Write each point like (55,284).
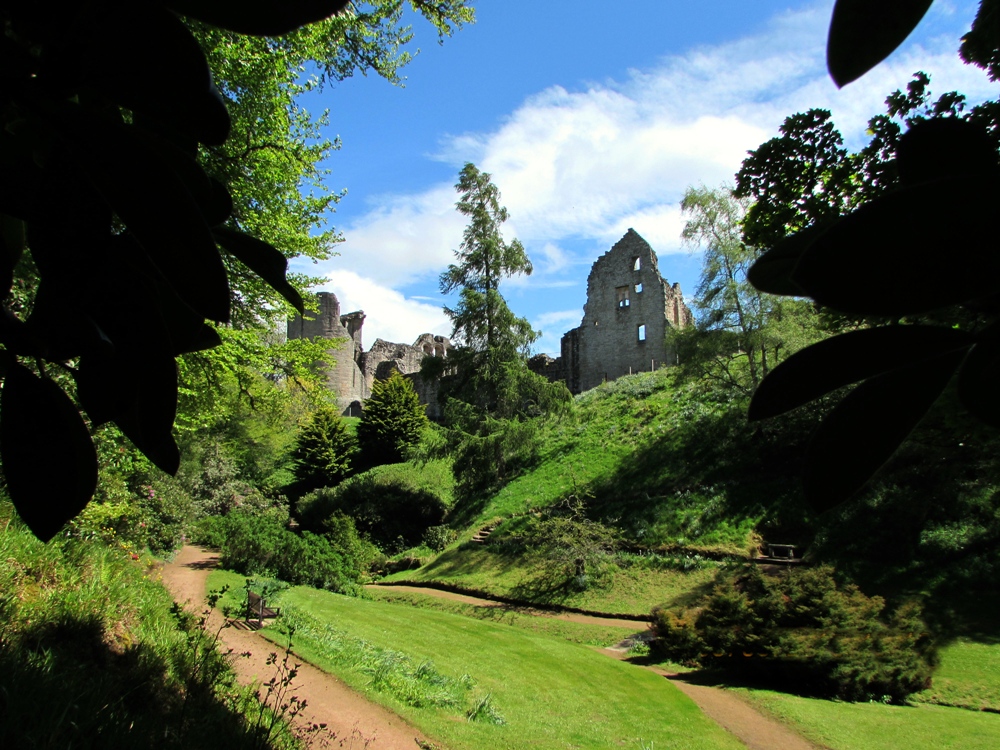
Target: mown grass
(628,590)
(584,633)
(874,726)
(550,693)
(93,653)
(968,677)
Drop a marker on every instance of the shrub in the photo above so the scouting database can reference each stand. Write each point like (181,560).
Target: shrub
(262,546)
(803,630)
(393,419)
(439,537)
(324,450)
(391,508)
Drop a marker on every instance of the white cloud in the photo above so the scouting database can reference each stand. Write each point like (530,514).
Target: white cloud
(388,314)
(577,168)
(404,239)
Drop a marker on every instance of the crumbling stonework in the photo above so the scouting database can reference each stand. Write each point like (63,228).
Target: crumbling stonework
(352,370)
(629,310)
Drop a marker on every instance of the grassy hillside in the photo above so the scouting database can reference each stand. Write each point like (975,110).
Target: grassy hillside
(675,469)
(667,463)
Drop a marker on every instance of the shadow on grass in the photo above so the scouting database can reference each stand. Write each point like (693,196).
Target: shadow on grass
(70,684)
(463,561)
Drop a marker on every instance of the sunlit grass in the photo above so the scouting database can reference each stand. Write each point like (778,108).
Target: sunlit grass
(551,693)
(624,591)
(874,726)
(969,677)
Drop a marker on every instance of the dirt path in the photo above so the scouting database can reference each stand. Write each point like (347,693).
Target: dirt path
(732,713)
(736,716)
(356,721)
(351,715)
(739,718)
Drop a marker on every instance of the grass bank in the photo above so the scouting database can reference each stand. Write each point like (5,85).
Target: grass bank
(93,652)
(629,589)
(550,693)
(873,726)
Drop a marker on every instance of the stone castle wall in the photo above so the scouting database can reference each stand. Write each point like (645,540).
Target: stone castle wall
(630,309)
(351,370)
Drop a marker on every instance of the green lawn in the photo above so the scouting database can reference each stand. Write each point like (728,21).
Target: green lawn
(969,677)
(575,632)
(627,591)
(873,726)
(552,694)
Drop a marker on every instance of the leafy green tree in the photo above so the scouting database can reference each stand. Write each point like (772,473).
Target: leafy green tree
(877,260)
(574,546)
(741,333)
(324,450)
(491,337)
(392,419)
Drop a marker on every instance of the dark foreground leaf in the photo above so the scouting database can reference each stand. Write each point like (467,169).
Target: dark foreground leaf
(865,32)
(869,425)
(48,458)
(849,358)
(263,259)
(914,250)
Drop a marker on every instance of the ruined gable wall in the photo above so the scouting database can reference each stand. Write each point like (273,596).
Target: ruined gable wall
(620,299)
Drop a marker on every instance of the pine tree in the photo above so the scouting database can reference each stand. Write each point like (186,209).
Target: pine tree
(493,396)
(492,337)
(392,420)
(324,451)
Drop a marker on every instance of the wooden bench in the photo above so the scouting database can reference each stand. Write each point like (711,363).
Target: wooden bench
(256,606)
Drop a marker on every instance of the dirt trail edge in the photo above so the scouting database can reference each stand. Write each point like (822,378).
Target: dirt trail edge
(330,701)
(736,716)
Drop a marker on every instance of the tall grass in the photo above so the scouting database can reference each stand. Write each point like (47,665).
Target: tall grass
(93,653)
(412,682)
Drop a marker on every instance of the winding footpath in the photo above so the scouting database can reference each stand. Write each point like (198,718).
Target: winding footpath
(357,722)
(728,710)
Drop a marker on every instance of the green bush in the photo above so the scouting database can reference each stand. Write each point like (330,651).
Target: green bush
(802,630)
(439,537)
(392,421)
(391,508)
(324,450)
(262,546)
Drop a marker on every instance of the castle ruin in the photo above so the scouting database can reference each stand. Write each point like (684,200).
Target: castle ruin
(352,370)
(629,310)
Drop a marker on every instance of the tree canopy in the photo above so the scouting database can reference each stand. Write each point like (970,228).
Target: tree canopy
(491,395)
(119,148)
(392,420)
(490,335)
(937,186)
(741,332)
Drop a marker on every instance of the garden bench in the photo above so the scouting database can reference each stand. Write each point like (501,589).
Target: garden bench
(256,606)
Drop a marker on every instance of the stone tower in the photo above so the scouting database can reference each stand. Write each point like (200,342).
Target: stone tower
(343,375)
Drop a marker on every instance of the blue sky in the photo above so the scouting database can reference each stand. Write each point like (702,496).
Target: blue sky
(591,121)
